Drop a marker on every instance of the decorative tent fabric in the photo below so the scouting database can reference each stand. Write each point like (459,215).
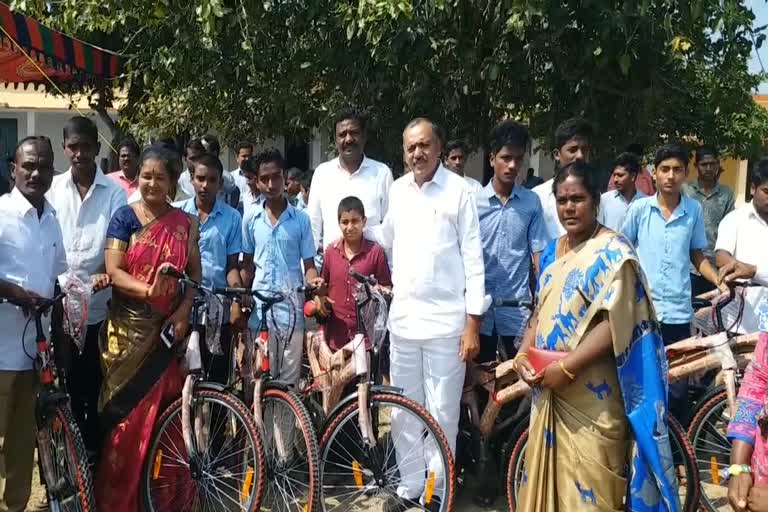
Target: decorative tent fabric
(62,58)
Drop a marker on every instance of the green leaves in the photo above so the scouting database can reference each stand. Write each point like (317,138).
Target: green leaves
(639,69)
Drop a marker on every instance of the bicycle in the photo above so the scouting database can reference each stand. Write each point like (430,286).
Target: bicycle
(290,440)
(362,458)
(63,459)
(218,462)
(728,354)
(480,428)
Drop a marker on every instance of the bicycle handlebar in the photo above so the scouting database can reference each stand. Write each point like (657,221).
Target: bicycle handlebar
(42,305)
(369,280)
(268,296)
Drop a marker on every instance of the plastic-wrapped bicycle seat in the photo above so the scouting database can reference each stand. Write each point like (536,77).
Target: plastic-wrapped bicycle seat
(214,322)
(374,316)
(75,305)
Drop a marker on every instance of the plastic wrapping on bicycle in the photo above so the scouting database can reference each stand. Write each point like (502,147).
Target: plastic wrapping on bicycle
(512,303)
(369,280)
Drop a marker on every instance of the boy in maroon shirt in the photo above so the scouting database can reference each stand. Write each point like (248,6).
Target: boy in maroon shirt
(352,250)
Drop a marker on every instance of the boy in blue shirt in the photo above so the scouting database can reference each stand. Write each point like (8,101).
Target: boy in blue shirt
(513,234)
(220,246)
(277,240)
(668,231)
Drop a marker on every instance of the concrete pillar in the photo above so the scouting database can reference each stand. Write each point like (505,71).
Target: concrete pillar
(31,118)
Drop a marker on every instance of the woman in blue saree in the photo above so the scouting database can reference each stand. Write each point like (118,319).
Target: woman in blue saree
(598,432)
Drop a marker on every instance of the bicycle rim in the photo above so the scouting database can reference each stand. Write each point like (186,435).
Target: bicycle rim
(227,474)
(290,453)
(712,449)
(681,451)
(410,463)
(71,489)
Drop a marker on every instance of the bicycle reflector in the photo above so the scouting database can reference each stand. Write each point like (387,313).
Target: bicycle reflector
(156,466)
(430,489)
(358,474)
(245,491)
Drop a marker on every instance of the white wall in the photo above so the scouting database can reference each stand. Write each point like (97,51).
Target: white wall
(51,125)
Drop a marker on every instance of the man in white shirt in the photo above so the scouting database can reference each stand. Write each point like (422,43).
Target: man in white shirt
(31,256)
(243,151)
(229,191)
(433,231)
(573,141)
(456,154)
(85,200)
(741,252)
(349,174)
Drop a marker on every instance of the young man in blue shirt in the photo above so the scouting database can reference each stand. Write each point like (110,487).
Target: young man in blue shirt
(668,231)
(513,234)
(220,246)
(277,240)
(615,203)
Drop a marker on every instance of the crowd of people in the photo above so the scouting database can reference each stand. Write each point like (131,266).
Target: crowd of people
(613,274)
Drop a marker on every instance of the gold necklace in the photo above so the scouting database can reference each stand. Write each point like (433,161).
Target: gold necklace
(566,245)
(147,213)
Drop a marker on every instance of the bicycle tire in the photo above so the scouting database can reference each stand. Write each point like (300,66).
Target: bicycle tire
(306,427)
(75,460)
(171,417)
(677,437)
(334,423)
(707,454)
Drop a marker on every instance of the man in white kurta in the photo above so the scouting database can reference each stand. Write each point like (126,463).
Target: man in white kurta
(433,231)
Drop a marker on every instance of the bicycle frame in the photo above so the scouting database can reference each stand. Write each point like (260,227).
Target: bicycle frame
(700,354)
(48,397)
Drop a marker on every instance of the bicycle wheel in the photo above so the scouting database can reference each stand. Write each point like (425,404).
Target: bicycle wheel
(290,453)
(712,449)
(64,463)
(227,472)
(357,477)
(688,477)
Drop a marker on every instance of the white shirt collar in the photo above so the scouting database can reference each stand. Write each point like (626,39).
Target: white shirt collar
(363,165)
(22,205)
(441,174)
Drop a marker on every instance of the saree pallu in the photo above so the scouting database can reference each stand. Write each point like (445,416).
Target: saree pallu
(141,375)
(601,442)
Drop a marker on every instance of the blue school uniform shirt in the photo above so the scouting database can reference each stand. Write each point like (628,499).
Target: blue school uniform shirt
(220,237)
(278,252)
(664,249)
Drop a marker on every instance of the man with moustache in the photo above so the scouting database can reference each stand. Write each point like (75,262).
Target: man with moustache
(433,232)
(32,255)
(350,174)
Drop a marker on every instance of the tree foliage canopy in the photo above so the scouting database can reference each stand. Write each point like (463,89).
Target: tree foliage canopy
(642,70)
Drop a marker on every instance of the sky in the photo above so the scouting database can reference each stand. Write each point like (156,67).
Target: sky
(760,8)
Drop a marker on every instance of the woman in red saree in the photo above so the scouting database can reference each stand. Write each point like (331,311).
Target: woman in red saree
(141,375)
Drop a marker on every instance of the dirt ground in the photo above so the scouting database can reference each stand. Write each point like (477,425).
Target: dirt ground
(463,505)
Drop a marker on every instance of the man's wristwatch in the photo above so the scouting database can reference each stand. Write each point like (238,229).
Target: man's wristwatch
(738,469)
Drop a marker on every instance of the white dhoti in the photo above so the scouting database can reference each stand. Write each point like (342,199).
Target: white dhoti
(431,373)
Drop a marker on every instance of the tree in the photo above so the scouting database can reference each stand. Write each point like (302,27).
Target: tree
(643,70)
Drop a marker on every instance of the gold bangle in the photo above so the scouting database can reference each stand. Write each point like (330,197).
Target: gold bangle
(566,372)
(521,355)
